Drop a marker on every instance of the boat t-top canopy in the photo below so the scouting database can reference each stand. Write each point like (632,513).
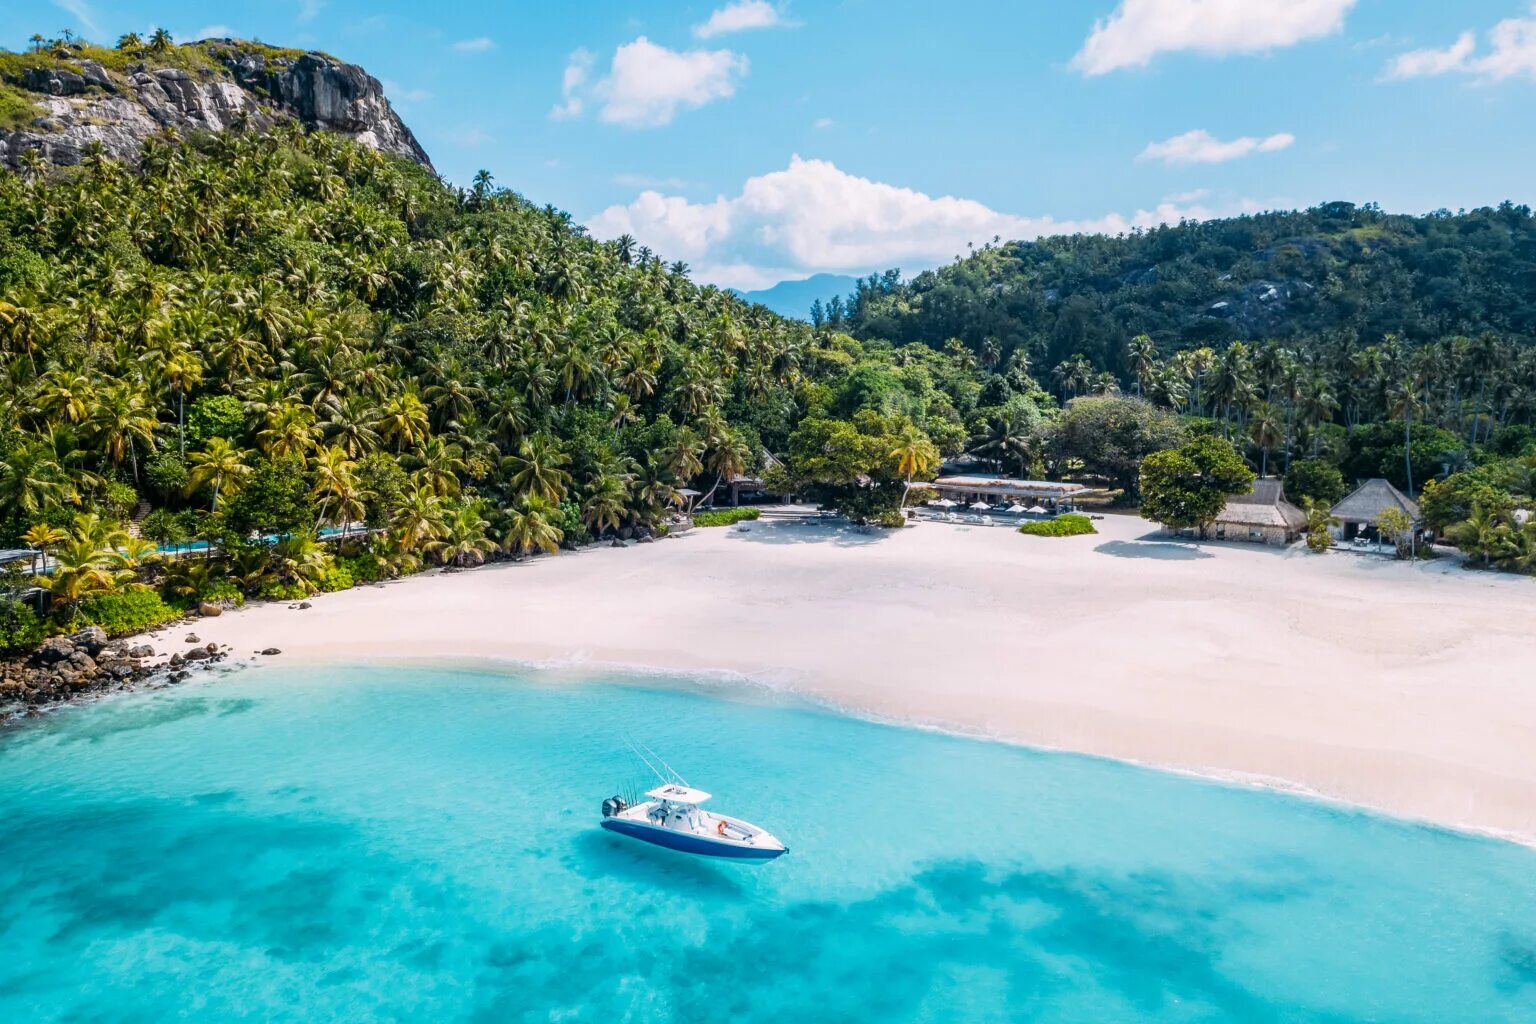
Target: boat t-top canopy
(674,793)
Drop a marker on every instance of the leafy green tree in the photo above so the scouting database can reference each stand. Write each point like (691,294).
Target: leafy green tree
(1187,487)
(1109,436)
(274,500)
(1314,480)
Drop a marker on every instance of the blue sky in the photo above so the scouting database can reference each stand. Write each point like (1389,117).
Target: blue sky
(762,140)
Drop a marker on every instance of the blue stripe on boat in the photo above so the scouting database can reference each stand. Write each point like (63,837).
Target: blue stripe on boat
(687,843)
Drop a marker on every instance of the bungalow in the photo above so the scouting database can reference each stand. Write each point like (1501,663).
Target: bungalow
(1262,516)
(1054,495)
(752,483)
(1358,513)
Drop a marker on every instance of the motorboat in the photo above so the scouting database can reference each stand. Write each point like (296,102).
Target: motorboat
(672,818)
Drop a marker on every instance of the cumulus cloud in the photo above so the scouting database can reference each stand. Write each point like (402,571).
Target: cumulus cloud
(647,85)
(1139,30)
(740,17)
(480,44)
(1511,53)
(824,122)
(214,32)
(1201,147)
(813,216)
(577,67)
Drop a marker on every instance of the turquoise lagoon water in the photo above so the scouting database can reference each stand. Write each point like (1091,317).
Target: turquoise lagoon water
(400,845)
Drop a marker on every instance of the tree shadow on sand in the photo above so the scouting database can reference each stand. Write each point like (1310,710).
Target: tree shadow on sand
(838,534)
(1165,550)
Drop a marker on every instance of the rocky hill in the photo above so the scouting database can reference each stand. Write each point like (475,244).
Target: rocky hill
(62,97)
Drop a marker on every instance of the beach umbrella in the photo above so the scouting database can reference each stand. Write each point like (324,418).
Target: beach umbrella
(1017,508)
(944,503)
(981,506)
(1038,510)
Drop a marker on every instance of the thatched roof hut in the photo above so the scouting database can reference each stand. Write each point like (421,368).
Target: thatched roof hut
(1368,501)
(1262,515)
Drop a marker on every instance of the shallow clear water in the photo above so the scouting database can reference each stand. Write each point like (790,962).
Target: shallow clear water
(406,845)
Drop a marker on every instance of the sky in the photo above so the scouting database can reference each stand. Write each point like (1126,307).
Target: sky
(764,140)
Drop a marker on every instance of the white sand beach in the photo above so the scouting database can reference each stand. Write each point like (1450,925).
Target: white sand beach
(1408,688)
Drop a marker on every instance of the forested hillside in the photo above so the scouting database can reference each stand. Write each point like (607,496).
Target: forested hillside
(255,339)
(1339,272)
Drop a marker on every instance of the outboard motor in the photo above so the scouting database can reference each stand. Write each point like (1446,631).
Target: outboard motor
(613,805)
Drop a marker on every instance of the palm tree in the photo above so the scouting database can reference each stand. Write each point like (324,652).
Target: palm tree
(299,560)
(32,478)
(121,420)
(438,463)
(220,465)
(43,536)
(537,469)
(1266,428)
(729,459)
(161,41)
(530,527)
(1005,436)
(404,420)
(465,539)
(607,501)
(419,519)
(84,563)
(336,485)
(1141,353)
(1404,404)
(915,455)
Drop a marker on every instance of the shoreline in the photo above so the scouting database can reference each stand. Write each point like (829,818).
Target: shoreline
(736,685)
(1429,729)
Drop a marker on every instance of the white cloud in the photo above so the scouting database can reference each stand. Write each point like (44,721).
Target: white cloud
(398,93)
(577,67)
(741,16)
(1191,196)
(647,85)
(1511,53)
(813,216)
(471,137)
(824,122)
(1139,30)
(1201,147)
(308,9)
(84,15)
(214,32)
(480,44)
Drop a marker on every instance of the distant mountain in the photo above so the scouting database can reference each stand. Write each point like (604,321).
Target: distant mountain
(794,298)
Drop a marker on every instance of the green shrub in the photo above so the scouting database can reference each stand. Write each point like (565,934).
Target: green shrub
(223,590)
(277,590)
(892,520)
(725,516)
(1070,525)
(19,628)
(17,110)
(125,612)
(119,502)
(337,578)
(364,568)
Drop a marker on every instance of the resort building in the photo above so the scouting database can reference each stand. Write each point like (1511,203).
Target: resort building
(753,484)
(1053,496)
(1358,513)
(1262,516)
